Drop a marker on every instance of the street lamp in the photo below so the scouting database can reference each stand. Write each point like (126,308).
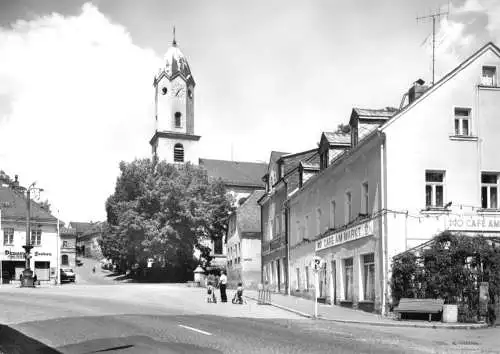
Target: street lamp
(27,280)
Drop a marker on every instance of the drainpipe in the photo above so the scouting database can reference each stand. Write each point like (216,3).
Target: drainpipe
(262,245)
(287,238)
(383,229)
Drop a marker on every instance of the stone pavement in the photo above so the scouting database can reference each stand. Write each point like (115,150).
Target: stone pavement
(305,308)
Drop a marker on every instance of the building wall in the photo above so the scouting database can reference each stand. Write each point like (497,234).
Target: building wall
(165,150)
(46,252)
(422,139)
(301,257)
(68,248)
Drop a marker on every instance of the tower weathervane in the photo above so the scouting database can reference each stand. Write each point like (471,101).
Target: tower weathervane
(174,42)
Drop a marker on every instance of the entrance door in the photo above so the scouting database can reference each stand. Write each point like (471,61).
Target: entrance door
(322,282)
(278,271)
(42,270)
(333,284)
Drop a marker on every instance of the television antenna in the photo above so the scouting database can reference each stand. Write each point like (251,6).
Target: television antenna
(433,18)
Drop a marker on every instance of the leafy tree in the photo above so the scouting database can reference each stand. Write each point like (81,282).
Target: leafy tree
(163,211)
(343,128)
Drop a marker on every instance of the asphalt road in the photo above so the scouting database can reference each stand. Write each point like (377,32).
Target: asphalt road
(168,318)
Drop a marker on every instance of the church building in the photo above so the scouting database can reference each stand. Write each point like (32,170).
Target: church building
(174,139)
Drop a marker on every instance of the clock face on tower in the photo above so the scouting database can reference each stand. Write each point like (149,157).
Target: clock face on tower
(178,90)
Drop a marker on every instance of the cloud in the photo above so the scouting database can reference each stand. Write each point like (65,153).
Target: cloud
(465,30)
(75,99)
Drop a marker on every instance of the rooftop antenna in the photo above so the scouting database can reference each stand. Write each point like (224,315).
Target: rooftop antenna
(433,17)
(174,42)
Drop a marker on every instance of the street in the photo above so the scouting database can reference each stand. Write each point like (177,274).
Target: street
(89,317)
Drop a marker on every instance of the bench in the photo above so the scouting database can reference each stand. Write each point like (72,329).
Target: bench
(429,306)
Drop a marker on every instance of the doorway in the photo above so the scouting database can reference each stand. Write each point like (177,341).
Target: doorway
(278,271)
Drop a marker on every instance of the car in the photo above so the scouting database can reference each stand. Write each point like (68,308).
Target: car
(67,275)
(79,263)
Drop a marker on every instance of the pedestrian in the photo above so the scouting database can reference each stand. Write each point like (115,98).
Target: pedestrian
(34,279)
(222,286)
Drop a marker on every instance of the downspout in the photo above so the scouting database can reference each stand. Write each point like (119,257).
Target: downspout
(383,228)
(262,245)
(287,243)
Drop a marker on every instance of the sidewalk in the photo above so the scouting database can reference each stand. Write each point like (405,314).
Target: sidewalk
(304,307)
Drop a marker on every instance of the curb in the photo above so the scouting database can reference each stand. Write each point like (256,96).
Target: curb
(380,324)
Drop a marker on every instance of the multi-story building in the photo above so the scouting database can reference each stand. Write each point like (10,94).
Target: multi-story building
(89,241)
(68,247)
(43,238)
(244,243)
(410,173)
(282,179)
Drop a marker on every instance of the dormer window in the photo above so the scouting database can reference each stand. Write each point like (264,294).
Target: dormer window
(323,160)
(489,77)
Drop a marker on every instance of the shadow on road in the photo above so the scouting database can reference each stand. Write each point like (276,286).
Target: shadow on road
(14,342)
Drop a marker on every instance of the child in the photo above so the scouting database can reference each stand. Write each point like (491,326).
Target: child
(238,297)
(211,293)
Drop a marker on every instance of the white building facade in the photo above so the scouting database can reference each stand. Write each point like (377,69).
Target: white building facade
(427,167)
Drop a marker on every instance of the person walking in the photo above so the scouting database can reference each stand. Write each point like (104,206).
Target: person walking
(222,286)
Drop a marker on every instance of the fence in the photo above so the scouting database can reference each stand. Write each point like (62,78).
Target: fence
(264,297)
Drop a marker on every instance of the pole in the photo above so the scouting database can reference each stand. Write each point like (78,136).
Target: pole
(58,270)
(433,46)
(316,294)
(28,233)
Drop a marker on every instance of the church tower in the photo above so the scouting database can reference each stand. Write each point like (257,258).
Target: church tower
(173,139)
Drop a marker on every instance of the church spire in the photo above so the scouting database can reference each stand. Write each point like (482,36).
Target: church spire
(174,43)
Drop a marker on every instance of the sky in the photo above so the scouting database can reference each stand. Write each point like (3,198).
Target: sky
(76,94)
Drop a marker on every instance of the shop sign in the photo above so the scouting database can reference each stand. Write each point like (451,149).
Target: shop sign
(12,254)
(41,254)
(353,233)
(473,223)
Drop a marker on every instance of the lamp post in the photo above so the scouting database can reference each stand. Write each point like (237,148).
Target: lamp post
(27,279)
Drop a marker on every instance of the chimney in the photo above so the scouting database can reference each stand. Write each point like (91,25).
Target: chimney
(416,90)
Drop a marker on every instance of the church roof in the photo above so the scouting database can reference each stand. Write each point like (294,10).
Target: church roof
(176,63)
(236,173)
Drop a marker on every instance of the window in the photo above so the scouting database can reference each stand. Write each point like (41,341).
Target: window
(489,191)
(489,77)
(298,278)
(364,198)
(36,237)
(164,90)
(277,225)
(64,260)
(178,122)
(65,244)
(462,121)
(271,230)
(333,206)
(8,236)
(323,160)
(283,220)
(307,278)
(318,221)
(349,278)
(218,246)
(178,153)
(306,228)
(297,226)
(369,277)
(434,189)
(348,207)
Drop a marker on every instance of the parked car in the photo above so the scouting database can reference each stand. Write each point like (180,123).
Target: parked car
(79,263)
(67,275)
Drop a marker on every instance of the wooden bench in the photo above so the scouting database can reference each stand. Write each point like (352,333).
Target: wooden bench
(429,306)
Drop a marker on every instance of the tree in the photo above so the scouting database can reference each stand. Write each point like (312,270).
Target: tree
(45,205)
(163,211)
(343,128)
